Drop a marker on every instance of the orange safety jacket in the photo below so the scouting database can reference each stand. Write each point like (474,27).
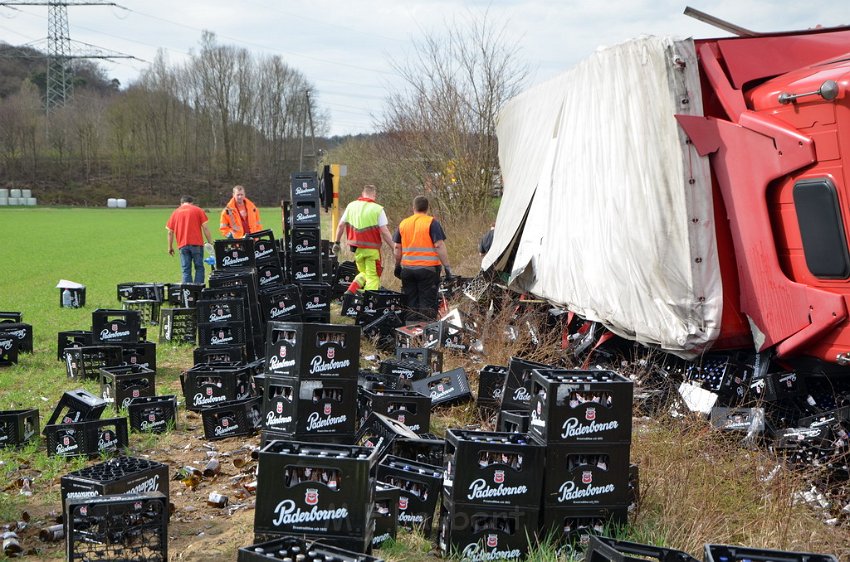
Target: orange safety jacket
(231,222)
(362,228)
(417,249)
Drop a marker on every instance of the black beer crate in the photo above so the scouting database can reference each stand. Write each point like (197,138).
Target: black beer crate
(335,483)
(749,421)
(229,419)
(409,370)
(476,532)
(219,354)
(571,406)
(385,513)
(516,394)
(426,448)
(120,475)
(411,336)
(217,311)
(378,432)
(76,406)
(17,427)
(382,330)
(8,351)
(371,380)
(352,304)
(71,338)
(155,414)
(234,253)
(179,325)
(281,304)
(183,295)
(270,275)
(78,297)
(606,549)
(310,407)
(11,317)
(382,301)
(306,242)
(141,353)
(304,186)
(316,302)
(586,475)
(269,435)
(148,310)
(343,276)
(94,437)
(288,548)
(513,421)
(306,269)
(121,384)
(305,213)
(572,527)
(446,335)
(229,281)
(492,469)
(115,326)
(828,418)
(729,553)
(420,489)
(227,292)
(313,350)
(19,331)
(491,383)
(211,384)
(408,407)
(222,333)
(135,291)
(127,527)
(451,387)
(430,358)
(86,362)
(265,247)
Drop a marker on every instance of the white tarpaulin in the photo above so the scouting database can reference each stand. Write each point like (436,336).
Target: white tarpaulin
(620,224)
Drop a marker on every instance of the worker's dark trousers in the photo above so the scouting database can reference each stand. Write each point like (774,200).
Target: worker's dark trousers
(419,289)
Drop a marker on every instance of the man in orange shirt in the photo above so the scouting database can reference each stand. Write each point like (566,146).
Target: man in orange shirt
(187,223)
(240,216)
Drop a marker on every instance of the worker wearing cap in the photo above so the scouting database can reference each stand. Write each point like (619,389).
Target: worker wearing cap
(364,223)
(240,216)
(419,250)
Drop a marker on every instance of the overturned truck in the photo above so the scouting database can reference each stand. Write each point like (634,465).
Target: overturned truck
(689,195)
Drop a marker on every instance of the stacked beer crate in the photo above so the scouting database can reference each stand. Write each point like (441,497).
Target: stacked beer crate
(305,247)
(146,298)
(491,494)
(584,421)
(310,382)
(178,322)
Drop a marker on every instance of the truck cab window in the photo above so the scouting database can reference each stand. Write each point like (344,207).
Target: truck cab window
(822,228)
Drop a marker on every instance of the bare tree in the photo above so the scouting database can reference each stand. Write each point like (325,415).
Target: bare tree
(441,124)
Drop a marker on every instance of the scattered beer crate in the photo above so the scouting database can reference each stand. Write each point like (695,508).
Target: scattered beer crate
(408,407)
(420,489)
(385,513)
(154,414)
(119,475)
(86,362)
(126,527)
(487,468)
(410,370)
(378,432)
(475,532)
(72,338)
(115,326)
(516,394)
(728,553)
(183,295)
(573,406)
(94,437)
(289,547)
(19,331)
(430,358)
(142,353)
(229,419)
(17,427)
(211,384)
(8,351)
(11,317)
(513,421)
(379,381)
(451,387)
(119,385)
(749,421)
(76,406)
(426,448)
(612,550)
(352,304)
(78,297)
(132,291)
(344,275)
(572,527)
(178,325)
(333,482)
(491,382)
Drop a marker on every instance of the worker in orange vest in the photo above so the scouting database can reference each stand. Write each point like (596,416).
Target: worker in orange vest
(419,249)
(240,216)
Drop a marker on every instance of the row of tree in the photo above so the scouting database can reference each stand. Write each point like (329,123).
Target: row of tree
(227,116)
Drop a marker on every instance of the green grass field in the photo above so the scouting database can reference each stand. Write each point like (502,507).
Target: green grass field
(696,487)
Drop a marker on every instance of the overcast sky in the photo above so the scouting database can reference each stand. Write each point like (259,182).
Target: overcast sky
(344,47)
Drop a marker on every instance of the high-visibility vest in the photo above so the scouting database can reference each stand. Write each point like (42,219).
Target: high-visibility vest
(417,249)
(231,223)
(362,217)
